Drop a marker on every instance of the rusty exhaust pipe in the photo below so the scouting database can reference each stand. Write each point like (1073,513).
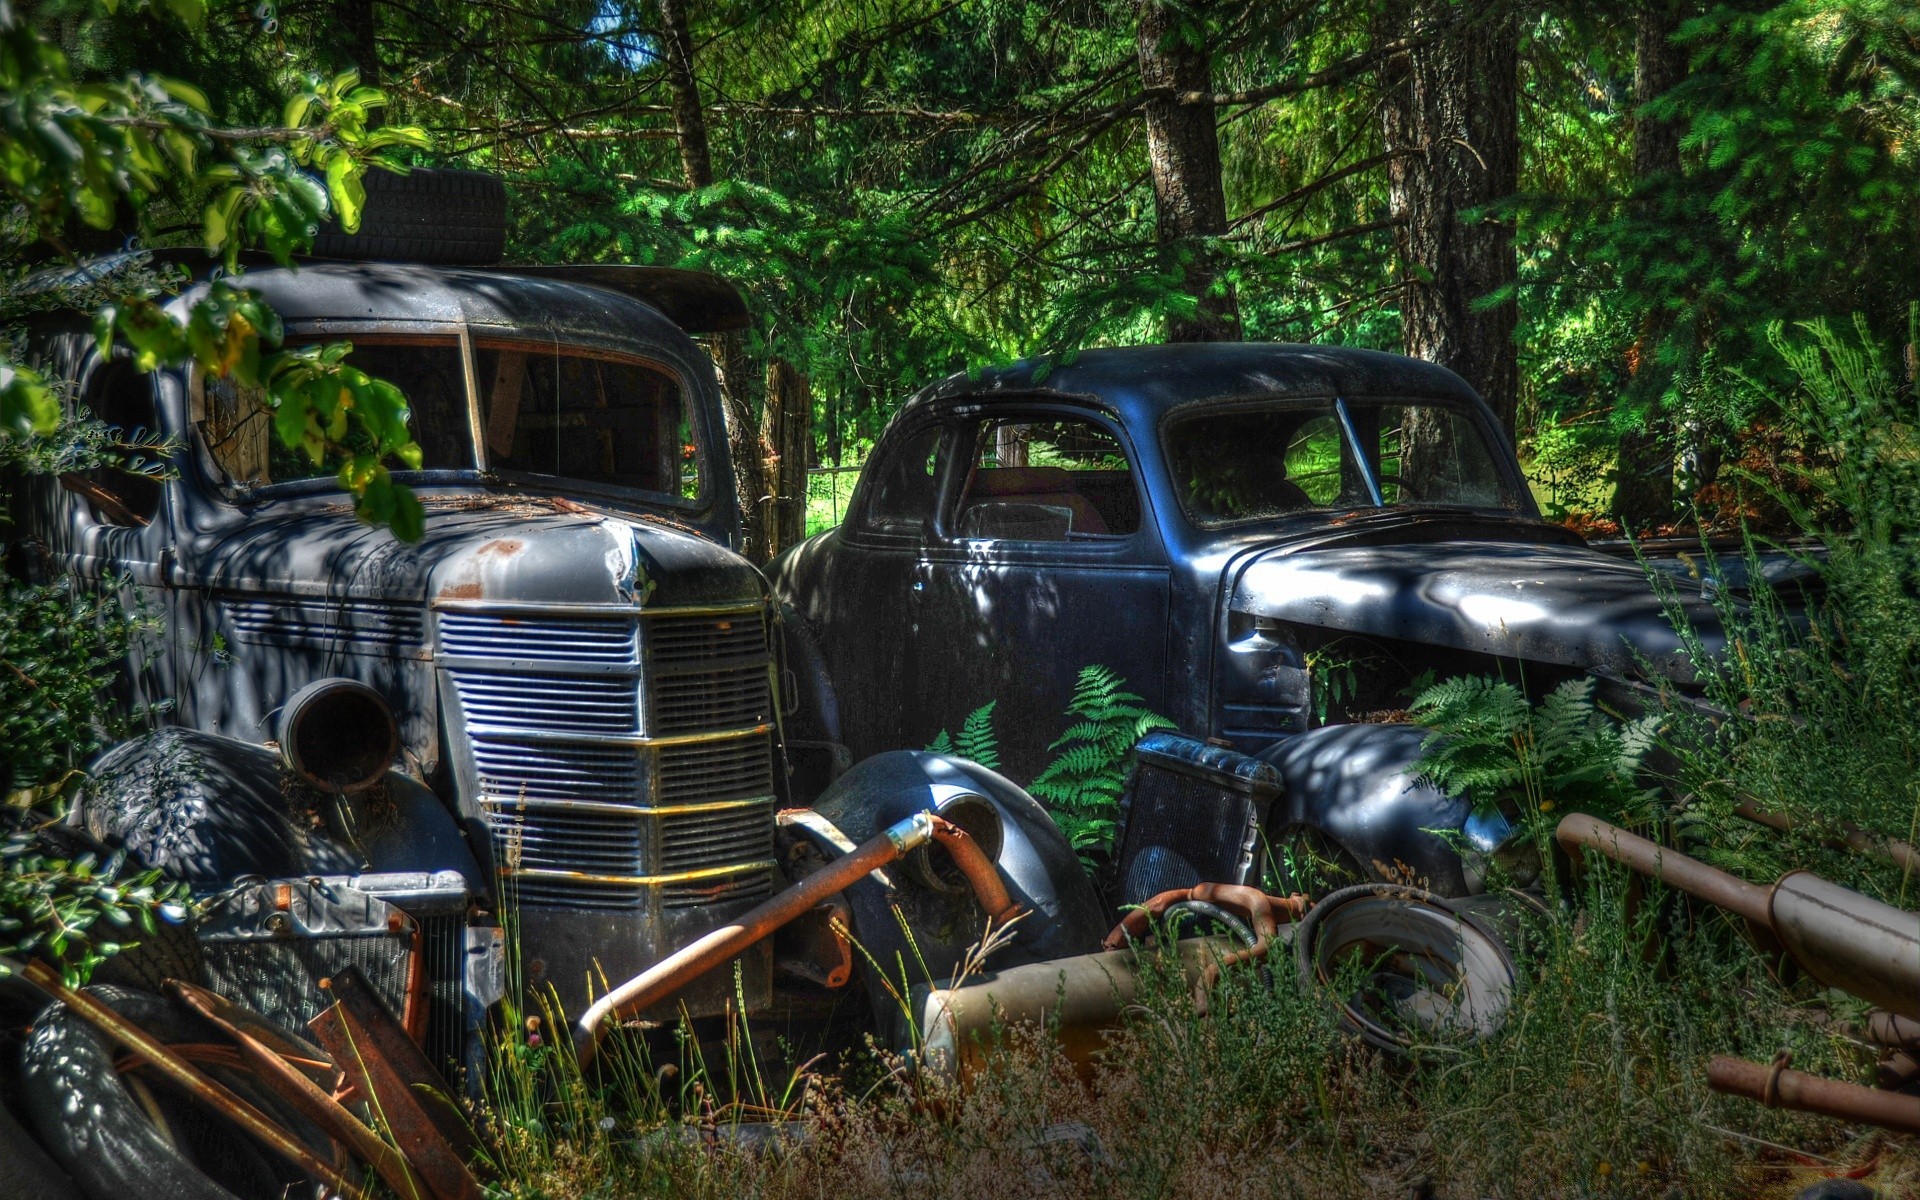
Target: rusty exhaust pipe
(1838,936)
(695,959)
(1775,1086)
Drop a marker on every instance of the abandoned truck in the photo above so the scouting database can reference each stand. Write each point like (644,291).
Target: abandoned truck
(555,710)
(1217,524)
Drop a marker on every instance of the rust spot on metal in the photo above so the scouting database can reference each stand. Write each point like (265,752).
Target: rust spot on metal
(460,591)
(504,547)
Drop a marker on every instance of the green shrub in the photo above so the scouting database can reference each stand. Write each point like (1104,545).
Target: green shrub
(1081,787)
(1819,686)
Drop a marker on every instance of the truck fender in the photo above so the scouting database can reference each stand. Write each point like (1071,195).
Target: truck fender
(1358,787)
(208,809)
(1039,867)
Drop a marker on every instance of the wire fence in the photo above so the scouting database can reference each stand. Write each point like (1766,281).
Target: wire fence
(824,503)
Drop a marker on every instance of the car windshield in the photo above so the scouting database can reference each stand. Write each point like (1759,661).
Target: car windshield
(1252,462)
(546,410)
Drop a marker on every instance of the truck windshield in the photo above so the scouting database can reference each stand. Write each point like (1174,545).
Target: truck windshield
(574,413)
(546,410)
(1252,462)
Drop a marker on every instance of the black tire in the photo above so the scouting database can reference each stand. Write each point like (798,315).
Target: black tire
(431,216)
(95,1128)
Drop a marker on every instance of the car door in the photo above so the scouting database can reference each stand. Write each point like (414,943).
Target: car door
(1045,559)
(857,588)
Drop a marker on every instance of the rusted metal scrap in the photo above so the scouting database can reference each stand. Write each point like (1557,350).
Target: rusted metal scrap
(1264,912)
(162,1058)
(266,1060)
(1838,936)
(408,1096)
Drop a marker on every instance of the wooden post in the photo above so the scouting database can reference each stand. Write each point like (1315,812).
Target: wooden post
(788,424)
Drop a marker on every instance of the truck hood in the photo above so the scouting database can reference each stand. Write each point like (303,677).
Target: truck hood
(1568,605)
(533,550)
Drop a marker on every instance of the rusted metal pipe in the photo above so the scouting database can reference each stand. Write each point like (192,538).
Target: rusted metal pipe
(1777,1086)
(675,971)
(1578,831)
(1240,897)
(982,876)
(1838,936)
(1263,912)
(201,1088)
(1843,833)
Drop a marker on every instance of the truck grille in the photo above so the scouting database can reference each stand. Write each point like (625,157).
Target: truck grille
(619,758)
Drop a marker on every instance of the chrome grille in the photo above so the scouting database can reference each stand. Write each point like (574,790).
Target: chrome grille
(714,771)
(513,770)
(591,800)
(749,885)
(572,893)
(559,839)
(587,704)
(694,840)
(489,635)
(707,672)
(710,700)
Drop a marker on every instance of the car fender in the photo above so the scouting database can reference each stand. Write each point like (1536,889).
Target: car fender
(1359,786)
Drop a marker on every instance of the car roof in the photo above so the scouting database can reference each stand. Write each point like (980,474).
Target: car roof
(568,299)
(1143,382)
(316,294)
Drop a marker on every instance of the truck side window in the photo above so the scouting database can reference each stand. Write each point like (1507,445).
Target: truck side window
(1048,481)
(236,421)
(121,397)
(904,496)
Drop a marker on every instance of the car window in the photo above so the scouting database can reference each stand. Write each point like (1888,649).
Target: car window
(120,396)
(1048,481)
(1252,462)
(236,422)
(903,492)
(573,413)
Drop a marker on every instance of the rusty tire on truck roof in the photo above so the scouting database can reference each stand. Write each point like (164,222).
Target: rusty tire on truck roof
(426,215)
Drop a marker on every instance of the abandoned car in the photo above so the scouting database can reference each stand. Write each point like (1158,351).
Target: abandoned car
(1218,524)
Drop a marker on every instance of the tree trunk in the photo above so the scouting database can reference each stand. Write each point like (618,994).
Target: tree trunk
(1449,118)
(737,374)
(788,423)
(1643,473)
(1183,152)
(361,44)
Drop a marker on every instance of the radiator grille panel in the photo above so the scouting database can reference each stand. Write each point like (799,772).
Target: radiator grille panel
(695,642)
(280,978)
(512,770)
(485,635)
(727,699)
(546,839)
(573,893)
